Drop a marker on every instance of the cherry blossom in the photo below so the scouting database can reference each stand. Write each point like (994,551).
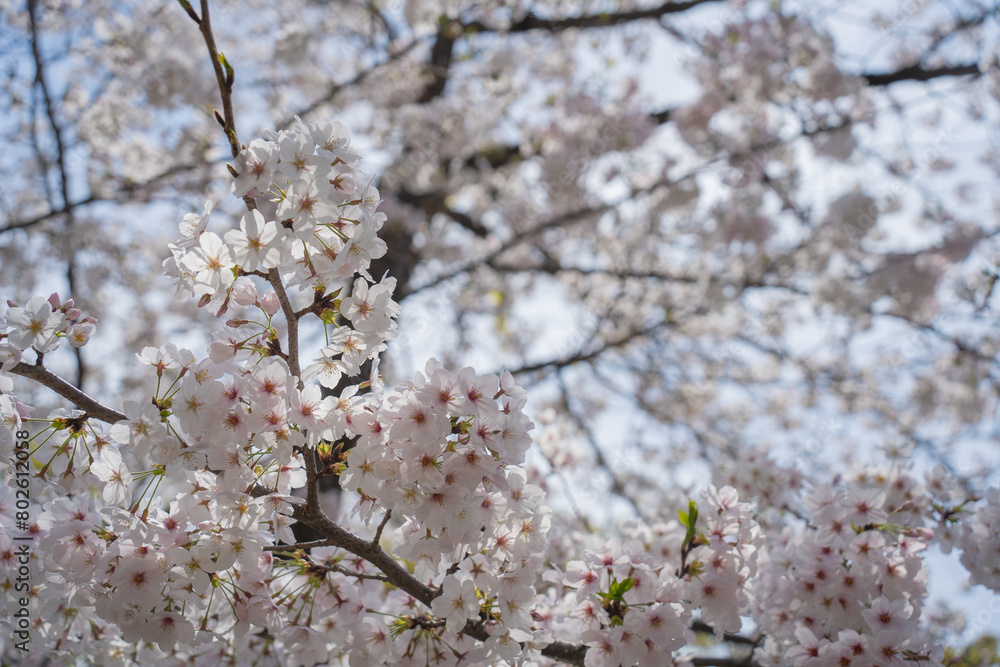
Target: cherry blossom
(272,499)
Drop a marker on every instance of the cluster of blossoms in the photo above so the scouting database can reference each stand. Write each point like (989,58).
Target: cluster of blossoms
(632,601)
(443,455)
(849,587)
(41,325)
(315,224)
(167,533)
(980,542)
(755,474)
(218,450)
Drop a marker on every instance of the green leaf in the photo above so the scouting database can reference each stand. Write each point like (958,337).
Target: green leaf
(617,590)
(225,64)
(689,520)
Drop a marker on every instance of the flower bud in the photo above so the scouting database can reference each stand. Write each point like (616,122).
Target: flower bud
(269,303)
(221,350)
(244,292)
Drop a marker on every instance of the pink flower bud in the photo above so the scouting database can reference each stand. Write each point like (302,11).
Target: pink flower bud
(269,303)
(54,301)
(73,313)
(220,351)
(244,292)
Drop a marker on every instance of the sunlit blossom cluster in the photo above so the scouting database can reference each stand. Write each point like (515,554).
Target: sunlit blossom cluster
(848,587)
(171,534)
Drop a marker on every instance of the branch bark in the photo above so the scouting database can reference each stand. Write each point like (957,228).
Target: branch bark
(602,20)
(67,204)
(920,73)
(45,377)
(441,56)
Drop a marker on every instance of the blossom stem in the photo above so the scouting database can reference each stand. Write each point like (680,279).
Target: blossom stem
(225,77)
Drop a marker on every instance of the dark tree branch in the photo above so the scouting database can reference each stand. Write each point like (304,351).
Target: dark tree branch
(52,213)
(400,577)
(499,155)
(119,196)
(334,89)
(919,73)
(441,56)
(623,274)
(225,76)
(724,662)
(617,487)
(45,377)
(581,356)
(577,216)
(289,548)
(705,628)
(603,20)
(67,205)
(434,202)
(961,26)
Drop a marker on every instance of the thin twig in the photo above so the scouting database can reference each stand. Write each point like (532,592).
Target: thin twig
(358,575)
(378,531)
(57,134)
(290,548)
(225,76)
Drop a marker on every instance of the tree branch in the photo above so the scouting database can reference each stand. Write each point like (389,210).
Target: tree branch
(434,202)
(617,487)
(919,73)
(274,278)
(400,577)
(723,662)
(499,155)
(567,218)
(705,628)
(602,20)
(225,76)
(587,356)
(334,89)
(52,213)
(45,377)
(441,56)
(67,204)
(126,188)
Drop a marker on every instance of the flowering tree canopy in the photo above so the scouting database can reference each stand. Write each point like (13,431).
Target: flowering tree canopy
(690,305)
